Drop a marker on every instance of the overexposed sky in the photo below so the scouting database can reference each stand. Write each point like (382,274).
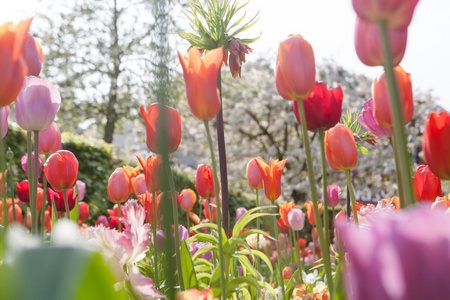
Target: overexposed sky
(328,26)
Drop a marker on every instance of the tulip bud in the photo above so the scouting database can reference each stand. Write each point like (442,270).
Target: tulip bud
(427,186)
(204,181)
(61,170)
(254,177)
(188,199)
(81,190)
(240,212)
(24,162)
(333,192)
(4,112)
(287,273)
(118,186)
(83,211)
(296,219)
(50,140)
(340,148)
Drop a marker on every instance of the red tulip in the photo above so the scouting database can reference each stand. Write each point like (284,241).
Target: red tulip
(323,107)
(200,77)
(436,144)
(13,67)
(32,53)
(18,210)
(295,71)
(50,140)
(188,199)
(272,177)
(283,228)
(204,181)
(83,211)
(287,273)
(58,197)
(381,103)
(426,185)
(396,13)
(23,191)
(118,186)
(369,47)
(170,132)
(61,170)
(254,177)
(340,148)
(153,171)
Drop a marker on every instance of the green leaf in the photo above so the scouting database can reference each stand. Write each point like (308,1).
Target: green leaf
(247,218)
(74,212)
(262,256)
(362,149)
(214,283)
(189,278)
(236,284)
(269,288)
(203,237)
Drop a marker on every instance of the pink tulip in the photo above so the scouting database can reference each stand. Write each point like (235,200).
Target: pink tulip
(139,185)
(369,47)
(24,162)
(37,104)
(32,52)
(254,177)
(4,112)
(333,192)
(368,120)
(188,199)
(296,219)
(50,140)
(240,212)
(81,190)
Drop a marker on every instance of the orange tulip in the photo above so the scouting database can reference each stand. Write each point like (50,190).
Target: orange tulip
(146,200)
(188,199)
(271,177)
(83,211)
(285,208)
(340,148)
(310,212)
(427,186)
(132,173)
(13,67)
(61,170)
(152,171)
(254,177)
(381,104)
(204,181)
(295,71)
(200,77)
(118,186)
(170,132)
(436,145)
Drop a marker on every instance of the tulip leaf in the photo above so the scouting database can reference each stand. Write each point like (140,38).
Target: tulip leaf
(237,284)
(74,212)
(247,218)
(262,256)
(214,283)
(189,278)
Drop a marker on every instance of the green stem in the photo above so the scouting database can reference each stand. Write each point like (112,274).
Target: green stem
(9,157)
(326,223)
(66,203)
(280,270)
(312,186)
(401,192)
(3,184)
(219,216)
(119,212)
(352,195)
(155,242)
(30,175)
(297,257)
(35,220)
(397,116)
(258,226)
(44,202)
(175,220)
(188,223)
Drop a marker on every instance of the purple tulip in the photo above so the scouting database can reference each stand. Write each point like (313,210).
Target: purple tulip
(183,233)
(333,192)
(404,255)
(240,212)
(81,190)
(4,112)
(296,219)
(368,120)
(37,104)
(102,220)
(196,246)
(24,162)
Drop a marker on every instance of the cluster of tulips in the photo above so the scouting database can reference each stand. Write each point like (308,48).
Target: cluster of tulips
(396,249)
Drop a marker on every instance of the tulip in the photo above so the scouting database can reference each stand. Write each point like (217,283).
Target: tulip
(310,212)
(58,198)
(146,200)
(204,181)
(40,199)
(208,209)
(283,228)
(24,162)
(32,53)
(368,120)
(295,70)
(436,146)
(193,293)
(369,47)
(240,212)
(37,104)
(50,140)
(188,199)
(427,186)
(4,112)
(132,172)
(340,148)
(333,192)
(296,219)
(200,77)
(18,210)
(23,191)
(152,171)
(381,102)
(195,246)
(103,220)
(61,170)
(13,67)
(323,107)
(254,177)
(287,273)
(285,208)
(139,185)
(3,179)
(170,132)
(83,208)
(398,256)
(271,177)
(396,13)
(118,186)
(81,190)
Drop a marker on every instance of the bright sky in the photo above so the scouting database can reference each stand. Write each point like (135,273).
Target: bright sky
(328,26)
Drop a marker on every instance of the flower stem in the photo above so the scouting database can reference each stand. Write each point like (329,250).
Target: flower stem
(397,115)
(312,186)
(297,257)
(119,212)
(66,203)
(35,183)
(44,200)
(3,184)
(352,195)
(401,193)
(258,226)
(30,175)
(219,213)
(166,163)
(155,242)
(326,223)
(280,270)
(9,157)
